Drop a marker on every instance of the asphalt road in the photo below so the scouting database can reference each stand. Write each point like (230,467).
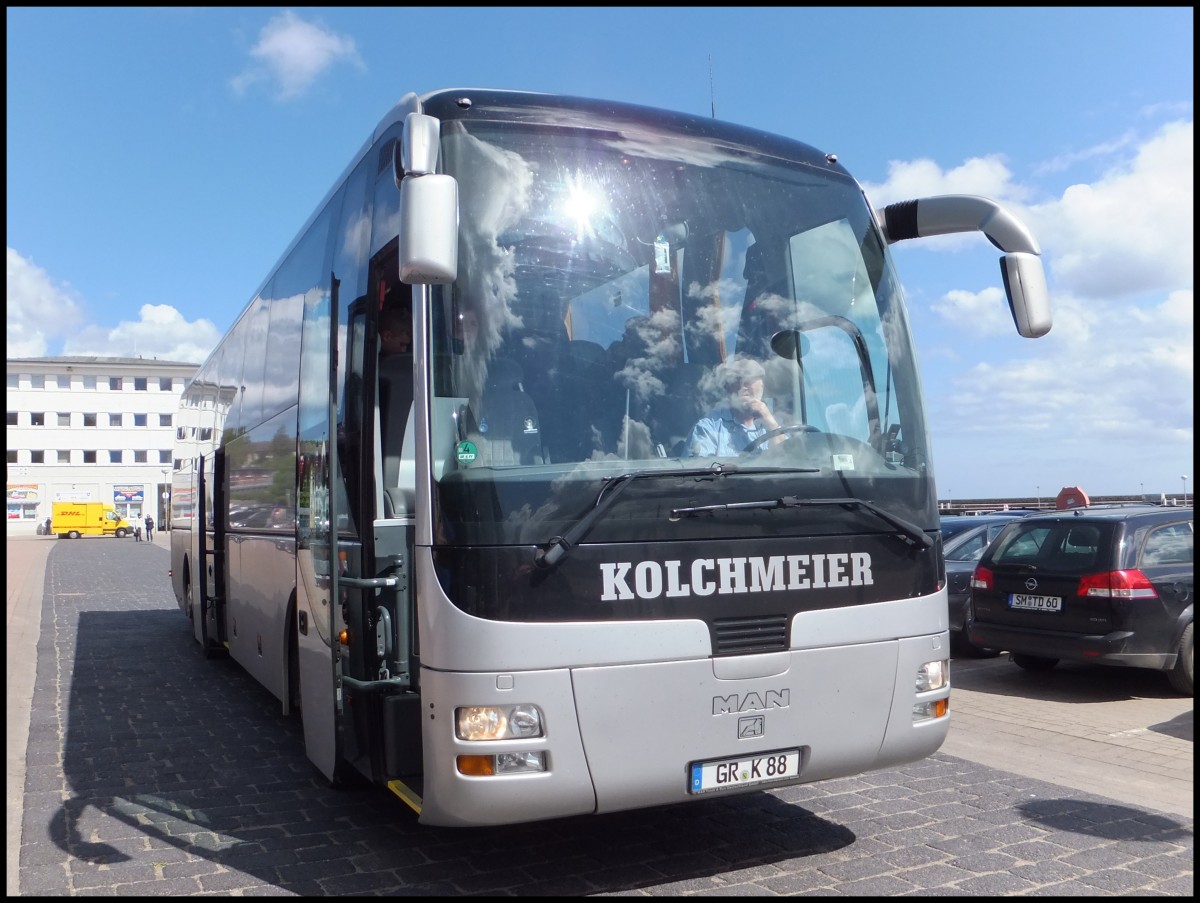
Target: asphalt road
(137,767)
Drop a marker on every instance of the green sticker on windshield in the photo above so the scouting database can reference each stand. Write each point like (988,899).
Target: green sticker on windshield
(465,452)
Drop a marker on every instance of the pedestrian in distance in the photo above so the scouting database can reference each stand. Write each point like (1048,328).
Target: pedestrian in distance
(149,528)
(137,534)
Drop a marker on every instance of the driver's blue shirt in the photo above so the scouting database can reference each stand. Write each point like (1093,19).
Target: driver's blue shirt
(720,434)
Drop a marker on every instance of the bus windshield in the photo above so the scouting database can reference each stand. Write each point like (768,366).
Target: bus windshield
(630,299)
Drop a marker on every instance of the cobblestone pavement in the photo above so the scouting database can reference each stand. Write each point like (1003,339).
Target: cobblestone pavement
(151,771)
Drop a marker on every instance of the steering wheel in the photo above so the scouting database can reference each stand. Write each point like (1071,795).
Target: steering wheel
(778,431)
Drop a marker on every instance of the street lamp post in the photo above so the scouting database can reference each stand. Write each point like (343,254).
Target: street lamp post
(165,520)
(1184,478)
(1039,497)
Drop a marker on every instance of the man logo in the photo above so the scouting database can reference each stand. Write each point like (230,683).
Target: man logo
(751,702)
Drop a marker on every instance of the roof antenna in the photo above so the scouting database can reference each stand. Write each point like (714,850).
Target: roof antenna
(711,94)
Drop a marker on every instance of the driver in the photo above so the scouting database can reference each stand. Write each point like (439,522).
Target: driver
(729,428)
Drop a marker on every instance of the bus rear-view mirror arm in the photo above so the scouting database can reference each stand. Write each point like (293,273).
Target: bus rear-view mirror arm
(1020,267)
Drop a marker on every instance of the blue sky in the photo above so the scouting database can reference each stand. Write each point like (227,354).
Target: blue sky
(160,160)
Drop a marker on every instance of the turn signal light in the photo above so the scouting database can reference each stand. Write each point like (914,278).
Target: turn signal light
(476,766)
(344,636)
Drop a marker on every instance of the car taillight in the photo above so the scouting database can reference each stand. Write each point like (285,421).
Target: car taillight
(982,578)
(1130,584)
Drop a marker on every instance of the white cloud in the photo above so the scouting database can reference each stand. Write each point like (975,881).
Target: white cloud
(1130,232)
(43,313)
(292,54)
(39,309)
(159,332)
(987,176)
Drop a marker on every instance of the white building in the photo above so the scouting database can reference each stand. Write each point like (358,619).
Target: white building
(97,429)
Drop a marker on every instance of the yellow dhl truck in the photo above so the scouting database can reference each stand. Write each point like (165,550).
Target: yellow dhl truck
(75,519)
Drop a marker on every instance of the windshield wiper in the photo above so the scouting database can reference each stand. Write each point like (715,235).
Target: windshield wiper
(909,532)
(556,549)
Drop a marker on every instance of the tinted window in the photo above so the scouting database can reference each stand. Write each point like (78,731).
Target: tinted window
(968,550)
(1171,544)
(1063,547)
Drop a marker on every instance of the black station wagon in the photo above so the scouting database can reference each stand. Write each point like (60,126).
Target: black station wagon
(1107,585)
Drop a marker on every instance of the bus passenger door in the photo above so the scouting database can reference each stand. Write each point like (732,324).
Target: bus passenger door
(208,615)
(321,504)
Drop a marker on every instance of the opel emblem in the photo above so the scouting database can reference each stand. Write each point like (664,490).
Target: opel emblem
(1031,584)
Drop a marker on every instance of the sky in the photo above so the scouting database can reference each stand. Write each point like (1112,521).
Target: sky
(160,161)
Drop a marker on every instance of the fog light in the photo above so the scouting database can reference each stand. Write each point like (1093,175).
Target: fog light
(520,762)
(926,711)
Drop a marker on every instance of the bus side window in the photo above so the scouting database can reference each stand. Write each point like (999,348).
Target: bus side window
(396,400)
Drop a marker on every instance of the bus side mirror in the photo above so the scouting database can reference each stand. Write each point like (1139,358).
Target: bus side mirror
(1020,267)
(1028,297)
(428,206)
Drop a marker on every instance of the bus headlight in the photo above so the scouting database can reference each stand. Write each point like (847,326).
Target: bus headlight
(497,722)
(933,675)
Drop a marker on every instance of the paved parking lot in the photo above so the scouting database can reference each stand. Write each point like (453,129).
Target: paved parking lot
(150,771)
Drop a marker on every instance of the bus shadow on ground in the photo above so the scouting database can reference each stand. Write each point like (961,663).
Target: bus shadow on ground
(176,764)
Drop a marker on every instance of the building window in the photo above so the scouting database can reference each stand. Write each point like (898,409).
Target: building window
(164,456)
(14,381)
(139,419)
(116,383)
(37,418)
(89,456)
(165,383)
(64,456)
(139,384)
(164,419)
(89,382)
(64,418)
(114,456)
(37,456)
(116,420)
(37,381)
(139,456)
(58,382)
(89,419)
(12,456)
(12,418)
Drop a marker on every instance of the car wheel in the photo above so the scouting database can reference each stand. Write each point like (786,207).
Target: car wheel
(1182,676)
(1033,662)
(73,534)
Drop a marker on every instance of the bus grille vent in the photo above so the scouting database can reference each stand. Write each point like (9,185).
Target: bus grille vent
(741,636)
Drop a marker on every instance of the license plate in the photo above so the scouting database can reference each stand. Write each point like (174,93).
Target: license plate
(1035,603)
(724,774)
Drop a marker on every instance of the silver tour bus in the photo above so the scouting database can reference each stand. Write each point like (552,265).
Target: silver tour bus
(639,509)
